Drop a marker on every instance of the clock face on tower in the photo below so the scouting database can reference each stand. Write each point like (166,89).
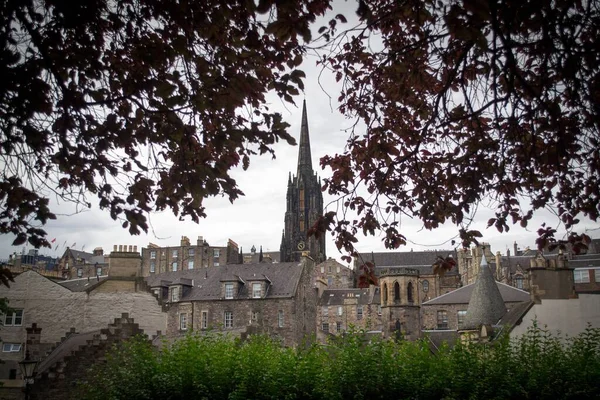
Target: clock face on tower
(301,245)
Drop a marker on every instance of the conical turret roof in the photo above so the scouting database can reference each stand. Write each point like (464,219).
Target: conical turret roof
(486,306)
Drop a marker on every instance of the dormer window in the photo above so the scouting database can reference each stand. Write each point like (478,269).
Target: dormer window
(256,290)
(229,290)
(175,294)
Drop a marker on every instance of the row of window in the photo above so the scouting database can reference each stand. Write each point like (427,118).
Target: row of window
(582,275)
(442,318)
(409,291)
(325,326)
(256,290)
(191,253)
(175,265)
(340,311)
(80,272)
(227,319)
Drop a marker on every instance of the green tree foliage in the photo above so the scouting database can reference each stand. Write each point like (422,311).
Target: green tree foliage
(534,366)
(147,105)
(466,101)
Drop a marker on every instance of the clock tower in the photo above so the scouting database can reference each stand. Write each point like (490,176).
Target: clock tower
(304,205)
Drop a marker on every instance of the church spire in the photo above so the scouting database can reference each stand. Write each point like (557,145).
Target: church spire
(304,156)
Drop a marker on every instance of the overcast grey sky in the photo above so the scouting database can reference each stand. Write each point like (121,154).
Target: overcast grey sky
(257,218)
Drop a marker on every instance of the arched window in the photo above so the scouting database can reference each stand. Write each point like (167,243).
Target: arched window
(385,293)
(396,291)
(409,292)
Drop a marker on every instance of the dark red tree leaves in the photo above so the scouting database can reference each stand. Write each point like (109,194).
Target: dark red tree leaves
(146,104)
(367,275)
(462,102)
(443,265)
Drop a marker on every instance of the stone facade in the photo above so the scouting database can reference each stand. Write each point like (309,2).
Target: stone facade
(156,259)
(335,274)
(400,303)
(340,310)
(274,299)
(79,264)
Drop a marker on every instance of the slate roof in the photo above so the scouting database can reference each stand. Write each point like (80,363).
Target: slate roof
(515,314)
(513,262)
(437,338)
(284,278)
(87,258)
(585,261)
(406,258)
(336,297)
(486,305)
(83,284)
(462,295)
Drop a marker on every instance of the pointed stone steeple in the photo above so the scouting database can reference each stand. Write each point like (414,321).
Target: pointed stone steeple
(304,155)
(486,305)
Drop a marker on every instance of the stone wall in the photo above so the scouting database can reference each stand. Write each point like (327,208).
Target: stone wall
(56,309)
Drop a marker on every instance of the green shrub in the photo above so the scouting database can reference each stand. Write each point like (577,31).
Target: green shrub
(537,365)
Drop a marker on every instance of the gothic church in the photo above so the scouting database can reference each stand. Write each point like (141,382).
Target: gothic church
(304,206)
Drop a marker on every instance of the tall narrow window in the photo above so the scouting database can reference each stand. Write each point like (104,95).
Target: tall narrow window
(340,311)
(183,321)
(204,321)
(152,266)
(325,311)
(174,266)
(153,255)
(175,253)
(359,312)
(409,292)
(519,282)
(461,317)
(396,291)
(256,290)
(190,264)
(175,294)
(228,319)
(301,200)
(325,327)
(79,272)
(229,290)
(442,319)
(425,286)
(385,293)
(280,318)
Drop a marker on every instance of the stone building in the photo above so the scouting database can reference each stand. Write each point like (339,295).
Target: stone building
(80,264)
(83,304)
(277,299)
(337,275)
(340,310)
(187,256)
(304,205)
(448,312)
(261,256)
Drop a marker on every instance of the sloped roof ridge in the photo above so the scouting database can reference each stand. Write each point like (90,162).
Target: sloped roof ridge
(449,293)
